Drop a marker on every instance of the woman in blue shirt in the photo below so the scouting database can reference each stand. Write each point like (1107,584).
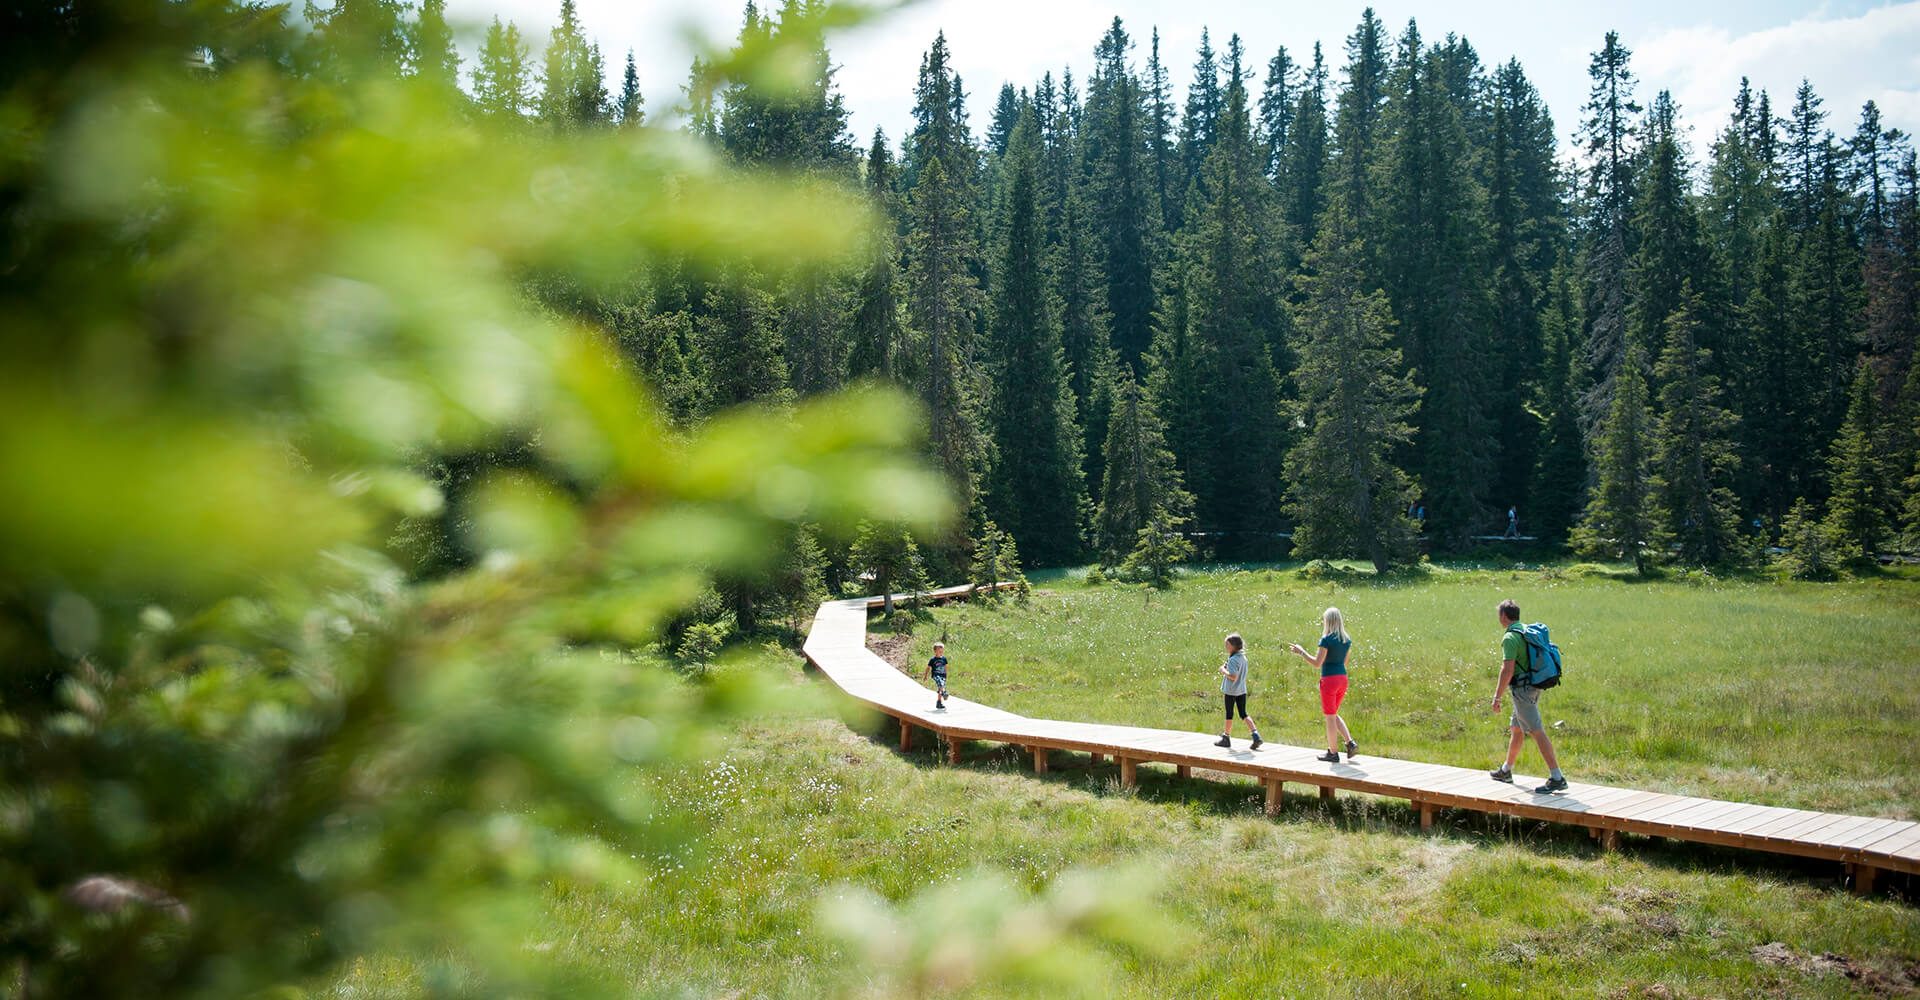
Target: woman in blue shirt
(1331,658)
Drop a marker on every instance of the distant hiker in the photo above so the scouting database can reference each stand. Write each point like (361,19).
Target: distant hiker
(1513,523)
(1233,686)
(937,670)
(1331,658)
(1518,673)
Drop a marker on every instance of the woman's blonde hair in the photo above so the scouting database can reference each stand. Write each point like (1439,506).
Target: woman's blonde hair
(1334,623)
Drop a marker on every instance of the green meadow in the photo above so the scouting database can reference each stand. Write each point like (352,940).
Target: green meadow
(1793,694)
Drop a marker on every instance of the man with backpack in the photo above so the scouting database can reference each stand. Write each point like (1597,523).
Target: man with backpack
(1531,663)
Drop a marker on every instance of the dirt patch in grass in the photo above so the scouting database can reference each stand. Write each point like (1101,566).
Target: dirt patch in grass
(1879,982)
(892,648)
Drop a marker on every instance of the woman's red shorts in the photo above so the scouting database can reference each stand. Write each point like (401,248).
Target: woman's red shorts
(1332,690)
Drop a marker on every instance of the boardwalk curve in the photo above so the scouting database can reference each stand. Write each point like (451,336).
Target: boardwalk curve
(1866,845)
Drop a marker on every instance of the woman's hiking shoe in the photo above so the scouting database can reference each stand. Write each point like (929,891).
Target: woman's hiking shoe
(1552,785)
(1352,748)
(1224,742)
(1330,757)
(1256,742)
(1501,774)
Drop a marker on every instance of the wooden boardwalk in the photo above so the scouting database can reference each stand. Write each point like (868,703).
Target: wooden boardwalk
(1865,845)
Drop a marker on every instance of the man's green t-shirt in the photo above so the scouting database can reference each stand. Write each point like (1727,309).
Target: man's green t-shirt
(1514,647)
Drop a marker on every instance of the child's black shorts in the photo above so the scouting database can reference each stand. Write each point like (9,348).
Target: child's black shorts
(1234,701)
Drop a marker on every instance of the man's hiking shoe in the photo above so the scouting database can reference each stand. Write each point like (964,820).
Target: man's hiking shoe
(1224,742)
(1501,774)
(1352,748)
(1330,757)
(1552,785)
(1256,742)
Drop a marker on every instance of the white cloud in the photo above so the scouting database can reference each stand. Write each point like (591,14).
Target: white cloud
(1850,60)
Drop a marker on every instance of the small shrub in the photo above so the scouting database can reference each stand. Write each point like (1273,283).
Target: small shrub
(702,642)
(901,622)
(1814,551)
(1095,577)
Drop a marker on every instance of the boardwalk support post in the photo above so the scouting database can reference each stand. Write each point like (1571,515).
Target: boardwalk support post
(1039,760)
(1128,775)
(906,734)
(1183,770)
(1862,878)
(1426,815)
(1274,796)
(1096,759)
(953,749)
(1326,792)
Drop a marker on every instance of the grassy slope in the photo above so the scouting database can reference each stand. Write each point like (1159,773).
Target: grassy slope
(1341,900)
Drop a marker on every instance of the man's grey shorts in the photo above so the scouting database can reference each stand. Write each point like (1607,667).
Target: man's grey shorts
(1526,708)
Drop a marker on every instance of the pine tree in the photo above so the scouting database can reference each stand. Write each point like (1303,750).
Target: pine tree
(1669,252)
(1430,212)
(1858,503)
(793,125)
(1606,240)
(739,349)
(878,337)
(1200,122)
(1357,130)
(1166,174)
(1141,478)
(1693,458)
(502,78)
(1278,103)
(890,558)
(1526,227)
(996,560)
(1158,549)
(1812,550)
(632,113)
(800,581)
(431,56)
(1121,194)
(573,89)
(1235,318)
(352,38)
(1092,363)
(1560,475)
(1345,493)
(1006,113)
(1039,496)
(1622,518)
(1302,179)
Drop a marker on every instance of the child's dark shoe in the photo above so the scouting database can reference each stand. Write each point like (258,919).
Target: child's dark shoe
(1352,748)
(1257,741)
(1223,742)
(1330,757)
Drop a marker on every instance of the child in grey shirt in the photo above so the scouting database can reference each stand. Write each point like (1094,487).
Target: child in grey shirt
(1233,687)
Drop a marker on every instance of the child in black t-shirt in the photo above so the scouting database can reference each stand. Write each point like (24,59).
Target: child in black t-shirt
(937,669)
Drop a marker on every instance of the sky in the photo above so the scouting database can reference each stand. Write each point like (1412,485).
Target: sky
(1852,50)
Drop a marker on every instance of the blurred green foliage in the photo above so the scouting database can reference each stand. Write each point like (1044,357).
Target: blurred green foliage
(250,308)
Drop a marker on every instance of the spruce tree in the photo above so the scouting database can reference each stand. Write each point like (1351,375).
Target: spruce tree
(1006,113)
(1158,549)
(1346,495)
(1141,478)
(1858,501)
(631,111)
(1038,496)
(1120,193)
(942,252)
(573,90)
(1622,519)
(1165,165)
(739,358)
(878,337)
(1560,474)
(1605,237)
(431,56)
(1357,129)
(888,557)
(1234,321)
(1693,458)
(1302,179)
(996,560)
(1430,212)
(502,77)
(1278,103)
(1200,122)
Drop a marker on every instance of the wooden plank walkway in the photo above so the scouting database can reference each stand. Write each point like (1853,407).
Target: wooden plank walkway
(1865,845)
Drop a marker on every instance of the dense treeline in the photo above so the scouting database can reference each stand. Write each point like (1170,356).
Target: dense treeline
(1355,306)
